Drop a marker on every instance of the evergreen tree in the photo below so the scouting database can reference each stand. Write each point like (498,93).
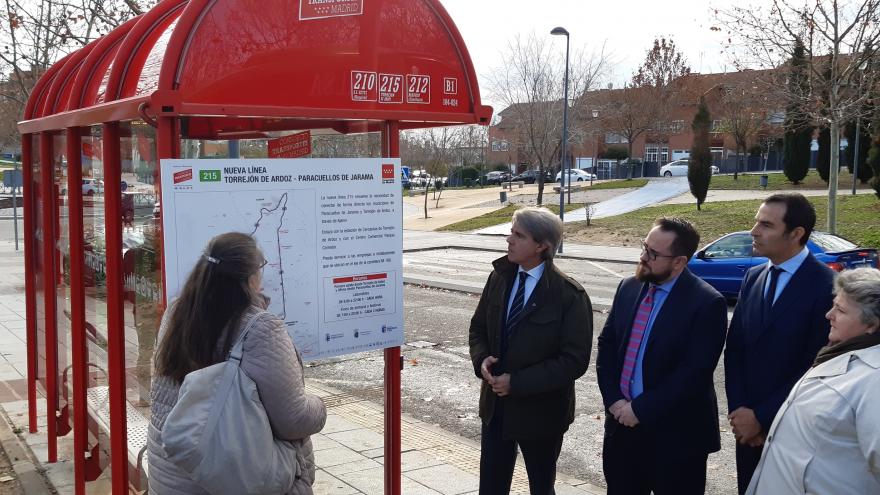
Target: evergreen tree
(865,172)
(798,132)
(874,162)
(823,158)
(699,171)
(874,152)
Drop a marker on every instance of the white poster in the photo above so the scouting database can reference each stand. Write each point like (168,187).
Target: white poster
(330,230)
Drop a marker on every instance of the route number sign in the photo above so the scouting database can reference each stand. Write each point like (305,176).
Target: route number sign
(418,89)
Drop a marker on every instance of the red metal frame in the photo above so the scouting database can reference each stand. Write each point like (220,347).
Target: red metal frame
(77,305)
(47,193)
(70,97)
(115,315)
(29,289)
(391,149)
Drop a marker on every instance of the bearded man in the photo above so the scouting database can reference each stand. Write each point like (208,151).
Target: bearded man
(656,357)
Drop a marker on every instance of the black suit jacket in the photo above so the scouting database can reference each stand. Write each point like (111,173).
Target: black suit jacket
(545,353)
(764,359)
(678,407)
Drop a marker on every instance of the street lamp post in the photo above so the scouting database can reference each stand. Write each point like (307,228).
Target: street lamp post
(563,165)
(595,167)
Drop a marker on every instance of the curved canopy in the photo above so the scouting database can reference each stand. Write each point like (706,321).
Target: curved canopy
(240,67)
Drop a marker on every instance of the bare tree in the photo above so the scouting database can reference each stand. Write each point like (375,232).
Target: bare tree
(642,106)
(37,33)
(744,107)
(660,71)
(530,86)
(629,112)
(838,36)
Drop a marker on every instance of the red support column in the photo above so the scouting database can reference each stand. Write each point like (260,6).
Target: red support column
(167,146)
(77,308)
(47,186)
(115,316)
(393,363)
(27,163)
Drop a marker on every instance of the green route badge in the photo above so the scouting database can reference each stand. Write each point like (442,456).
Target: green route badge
(209,176)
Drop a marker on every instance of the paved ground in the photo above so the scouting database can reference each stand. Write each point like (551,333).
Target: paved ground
(726,195)
(349,450)
(655,191)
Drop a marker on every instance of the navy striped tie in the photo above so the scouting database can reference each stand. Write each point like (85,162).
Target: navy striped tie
(516,307)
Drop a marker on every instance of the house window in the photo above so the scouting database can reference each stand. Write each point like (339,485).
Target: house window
(499,145)
(614,138)
(651,153)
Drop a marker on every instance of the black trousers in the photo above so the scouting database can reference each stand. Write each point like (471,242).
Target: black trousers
(498,458)
(633,466)
(747,459)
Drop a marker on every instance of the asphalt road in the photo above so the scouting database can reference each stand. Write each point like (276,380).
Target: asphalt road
(439,386)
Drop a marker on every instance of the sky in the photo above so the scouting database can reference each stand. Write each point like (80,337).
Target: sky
(626,27)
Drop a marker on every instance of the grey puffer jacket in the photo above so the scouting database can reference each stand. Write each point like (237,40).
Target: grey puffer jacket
(271,361)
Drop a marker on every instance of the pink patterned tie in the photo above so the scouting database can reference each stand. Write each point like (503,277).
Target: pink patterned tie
(635,341)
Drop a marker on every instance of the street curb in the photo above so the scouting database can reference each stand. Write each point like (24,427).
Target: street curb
(494,250)
(27,469)
(472,290)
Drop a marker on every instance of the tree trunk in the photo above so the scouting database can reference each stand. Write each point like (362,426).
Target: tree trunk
(832,177)
(540,184)
(629,172)
(426,201)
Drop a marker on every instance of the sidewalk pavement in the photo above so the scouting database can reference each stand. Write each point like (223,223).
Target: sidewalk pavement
(349,451)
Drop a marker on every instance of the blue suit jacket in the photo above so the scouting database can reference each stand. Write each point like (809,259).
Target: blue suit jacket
(764,359)
(678,406)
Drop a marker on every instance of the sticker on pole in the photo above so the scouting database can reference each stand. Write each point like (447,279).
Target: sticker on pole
(292,146)
(322,9)
(418,89)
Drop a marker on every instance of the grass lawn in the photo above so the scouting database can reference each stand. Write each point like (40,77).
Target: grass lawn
(777,181)
(620,184)
(858,219)
(497,217)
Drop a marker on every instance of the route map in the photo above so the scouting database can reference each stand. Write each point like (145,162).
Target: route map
(283,225)
(330,231)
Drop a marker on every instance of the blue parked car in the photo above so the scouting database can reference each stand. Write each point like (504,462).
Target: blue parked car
(724,262)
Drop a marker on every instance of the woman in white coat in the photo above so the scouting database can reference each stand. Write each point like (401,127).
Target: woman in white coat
(825,439)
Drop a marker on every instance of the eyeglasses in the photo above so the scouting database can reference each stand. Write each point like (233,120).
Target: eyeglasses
(264,263)
(653,255)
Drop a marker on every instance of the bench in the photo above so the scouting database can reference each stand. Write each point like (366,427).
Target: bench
(575,186)
(518,183)
(98,401)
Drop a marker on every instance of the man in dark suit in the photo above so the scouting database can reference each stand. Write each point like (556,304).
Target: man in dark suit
(657,354)
(778,326)
(530,339)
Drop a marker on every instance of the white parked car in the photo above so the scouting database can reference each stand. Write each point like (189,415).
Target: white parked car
(679,168)
(675,168)
(576,175)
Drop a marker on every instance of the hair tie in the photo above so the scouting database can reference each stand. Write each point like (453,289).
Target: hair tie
(211,259)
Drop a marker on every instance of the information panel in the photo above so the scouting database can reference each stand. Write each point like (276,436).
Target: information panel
(330,230)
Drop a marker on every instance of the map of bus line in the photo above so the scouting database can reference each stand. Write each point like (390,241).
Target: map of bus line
(329,229)
(283,223)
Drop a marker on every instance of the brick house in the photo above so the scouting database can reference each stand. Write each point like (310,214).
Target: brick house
(670,138)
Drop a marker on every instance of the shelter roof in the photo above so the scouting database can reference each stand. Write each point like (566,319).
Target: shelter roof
(246,67)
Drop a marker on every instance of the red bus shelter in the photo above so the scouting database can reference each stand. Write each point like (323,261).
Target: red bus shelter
(100,120)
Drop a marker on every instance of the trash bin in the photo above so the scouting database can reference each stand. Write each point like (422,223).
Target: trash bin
(764,180)
(502,196)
